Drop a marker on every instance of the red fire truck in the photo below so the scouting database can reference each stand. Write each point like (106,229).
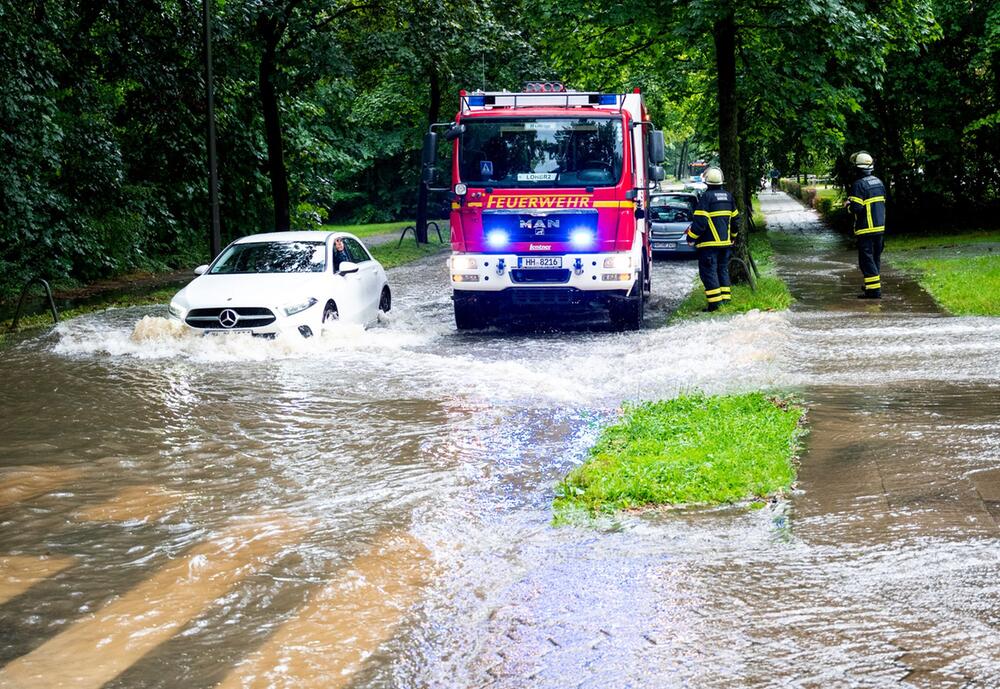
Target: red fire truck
(549,190)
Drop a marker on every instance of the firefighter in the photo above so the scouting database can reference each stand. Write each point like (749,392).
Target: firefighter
(712,232)
(867,204)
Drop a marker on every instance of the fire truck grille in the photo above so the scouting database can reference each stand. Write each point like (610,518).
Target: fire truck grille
(545,297)
(544,275)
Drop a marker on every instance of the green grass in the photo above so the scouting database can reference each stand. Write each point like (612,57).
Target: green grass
(962,286)
(913,243)
(832,193)
(690,450)
(771,294)
(382,228)
(759,219)
(390,256)
(960,271)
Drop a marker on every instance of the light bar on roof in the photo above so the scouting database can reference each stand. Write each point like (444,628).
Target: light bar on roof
(544,87)
(553,99)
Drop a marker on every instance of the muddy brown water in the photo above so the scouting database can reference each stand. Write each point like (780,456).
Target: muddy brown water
(372,509)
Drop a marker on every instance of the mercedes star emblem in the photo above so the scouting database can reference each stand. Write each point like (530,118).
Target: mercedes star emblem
(228,318)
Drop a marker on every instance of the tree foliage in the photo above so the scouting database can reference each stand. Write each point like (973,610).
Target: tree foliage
(321,105)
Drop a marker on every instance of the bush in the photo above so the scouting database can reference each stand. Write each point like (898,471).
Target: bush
(792,187)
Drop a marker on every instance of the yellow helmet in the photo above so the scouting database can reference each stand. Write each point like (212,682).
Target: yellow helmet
(713,175)
(863,160)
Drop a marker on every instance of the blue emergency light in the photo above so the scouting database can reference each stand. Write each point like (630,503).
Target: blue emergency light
(609,99)
(497,238)
(476,100)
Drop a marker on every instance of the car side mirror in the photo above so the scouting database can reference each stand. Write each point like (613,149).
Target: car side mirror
(201,270)
(347,267)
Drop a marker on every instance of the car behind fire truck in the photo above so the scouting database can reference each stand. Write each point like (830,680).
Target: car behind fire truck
(549,188)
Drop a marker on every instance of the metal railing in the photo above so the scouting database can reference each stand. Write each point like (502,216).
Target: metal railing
(413,229)
(24,293)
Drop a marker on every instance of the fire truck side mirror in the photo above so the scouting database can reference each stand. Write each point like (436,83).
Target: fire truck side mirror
(657,147)
(455,131)
(656,173)
(430,152)
(429,175)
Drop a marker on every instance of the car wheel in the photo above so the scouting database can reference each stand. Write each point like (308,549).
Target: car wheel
(330,313)
(385,301)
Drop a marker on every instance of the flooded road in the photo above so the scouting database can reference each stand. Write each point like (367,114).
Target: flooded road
(372,509)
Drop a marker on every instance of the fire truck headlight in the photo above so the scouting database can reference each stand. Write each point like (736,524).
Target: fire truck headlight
(460,263)
(581,239)
(620,262)
(460,189)
(497,238)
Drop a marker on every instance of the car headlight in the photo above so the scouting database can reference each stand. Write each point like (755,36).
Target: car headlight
(620,262)
(177,311)
(293,309)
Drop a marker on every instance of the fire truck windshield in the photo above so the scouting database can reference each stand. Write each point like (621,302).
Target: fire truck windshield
(541,152)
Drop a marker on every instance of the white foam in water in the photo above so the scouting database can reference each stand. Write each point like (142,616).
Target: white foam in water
(155,337)
(423,356)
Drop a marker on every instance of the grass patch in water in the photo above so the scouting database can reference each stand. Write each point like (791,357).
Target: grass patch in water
(771,294)
(693,449)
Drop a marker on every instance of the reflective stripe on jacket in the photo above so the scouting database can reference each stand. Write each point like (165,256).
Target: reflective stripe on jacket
(715,222)
(867,203)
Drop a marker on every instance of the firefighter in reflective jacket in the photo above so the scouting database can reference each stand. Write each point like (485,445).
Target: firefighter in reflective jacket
(867,203)
(712,232)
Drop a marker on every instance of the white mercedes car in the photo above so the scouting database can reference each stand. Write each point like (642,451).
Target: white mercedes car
(284,282)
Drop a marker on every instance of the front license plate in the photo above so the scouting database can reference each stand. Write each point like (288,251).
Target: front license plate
(539,262)
(664,245)
(242,331)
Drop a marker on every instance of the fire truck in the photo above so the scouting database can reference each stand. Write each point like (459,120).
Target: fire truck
(548,197)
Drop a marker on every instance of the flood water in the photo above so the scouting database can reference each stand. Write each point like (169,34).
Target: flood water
(372,508)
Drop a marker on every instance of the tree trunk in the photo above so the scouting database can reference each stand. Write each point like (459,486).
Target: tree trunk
(724,34)
(434,108)
(747,183)
(423,193)
(272,126)
(682,162)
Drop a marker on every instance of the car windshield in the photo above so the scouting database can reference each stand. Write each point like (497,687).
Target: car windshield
(549,152)
(670,200)
(676,211)
(272,257)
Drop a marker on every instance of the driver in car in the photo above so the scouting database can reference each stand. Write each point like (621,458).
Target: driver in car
(339,253)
